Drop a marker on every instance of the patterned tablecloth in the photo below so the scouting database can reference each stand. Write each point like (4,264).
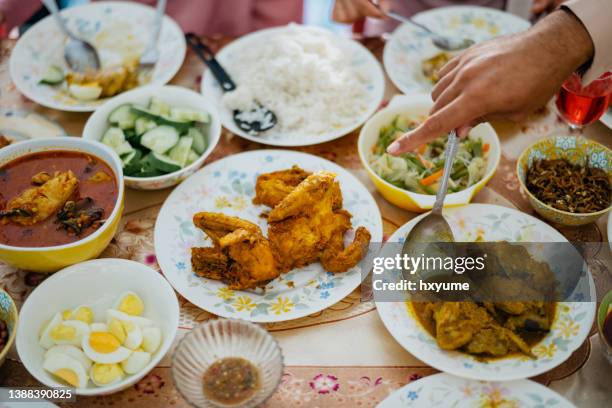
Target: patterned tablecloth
(320,369)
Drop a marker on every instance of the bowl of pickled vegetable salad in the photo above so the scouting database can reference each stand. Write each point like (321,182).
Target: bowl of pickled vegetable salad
(162,134)
(411,180)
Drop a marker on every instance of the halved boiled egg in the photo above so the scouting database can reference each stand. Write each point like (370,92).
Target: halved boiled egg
(136,362)
(151,339)
(103,347)
(71,351)
(105,374)
(45,340)
(83,313)
(68,369)
(69,332)
(130,303)
(137,320)
(101,327)
(128,333)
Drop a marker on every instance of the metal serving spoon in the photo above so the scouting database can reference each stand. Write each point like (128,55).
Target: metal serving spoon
(440,41)
(433,227)
(80,55)
(252,122)
(149,58)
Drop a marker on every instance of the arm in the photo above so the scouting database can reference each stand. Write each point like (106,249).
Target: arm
(350,11)
(16,12)
(508,77)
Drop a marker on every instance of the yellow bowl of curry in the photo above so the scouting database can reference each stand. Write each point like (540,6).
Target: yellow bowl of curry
(61,200)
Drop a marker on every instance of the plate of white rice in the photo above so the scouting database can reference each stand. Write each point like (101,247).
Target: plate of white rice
(320,86)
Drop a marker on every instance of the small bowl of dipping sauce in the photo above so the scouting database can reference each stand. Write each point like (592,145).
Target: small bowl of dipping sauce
(227,363)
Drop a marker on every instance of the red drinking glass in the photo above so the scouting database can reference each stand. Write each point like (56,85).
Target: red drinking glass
(580,105)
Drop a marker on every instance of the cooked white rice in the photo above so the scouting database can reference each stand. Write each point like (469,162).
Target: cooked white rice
(303,77)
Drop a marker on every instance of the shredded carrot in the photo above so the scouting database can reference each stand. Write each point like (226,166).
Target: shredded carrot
(422,148)
(485,148)
(432,178)
(425,162)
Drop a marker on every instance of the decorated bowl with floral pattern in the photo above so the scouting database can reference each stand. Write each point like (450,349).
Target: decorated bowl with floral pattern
(577,150)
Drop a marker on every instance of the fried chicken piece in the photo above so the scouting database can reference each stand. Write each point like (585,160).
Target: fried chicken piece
(217,225)
(36,204)
(241,256)
(336,258)
(308,220)
(272,188)
(209,262)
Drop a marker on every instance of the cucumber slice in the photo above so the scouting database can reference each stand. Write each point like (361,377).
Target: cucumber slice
(132,137)
(130,158)
(191,157)
(180,152)
(161,120)
(115,139)
(123,116)
(163,163)
(53,76)
(89,92)
(142,125)
(160,139)
(199,140)
(159,107)
(189,115)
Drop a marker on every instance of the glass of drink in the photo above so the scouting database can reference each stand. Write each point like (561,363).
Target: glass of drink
(581,105)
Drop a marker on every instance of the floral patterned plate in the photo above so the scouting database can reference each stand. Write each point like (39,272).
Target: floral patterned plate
(227,186)
(573,320)
(118,30)
(409,46)
(362,61)
(445,390)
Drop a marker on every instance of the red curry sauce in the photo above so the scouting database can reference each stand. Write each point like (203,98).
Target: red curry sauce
(16,176)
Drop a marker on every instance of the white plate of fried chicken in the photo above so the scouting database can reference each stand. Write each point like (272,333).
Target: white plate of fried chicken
(267,235)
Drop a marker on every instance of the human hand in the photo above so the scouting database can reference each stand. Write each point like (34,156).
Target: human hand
(350,11)
(539,6)
(508,77)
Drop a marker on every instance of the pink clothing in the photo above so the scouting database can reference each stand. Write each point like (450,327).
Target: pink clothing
(203,17)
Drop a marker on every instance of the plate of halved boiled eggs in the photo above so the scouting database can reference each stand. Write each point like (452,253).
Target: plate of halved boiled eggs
(98,326)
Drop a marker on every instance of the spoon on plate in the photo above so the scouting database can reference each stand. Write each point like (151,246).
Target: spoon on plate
(440,41)
(434,227)
(149,57)
(254,121)
(80,55)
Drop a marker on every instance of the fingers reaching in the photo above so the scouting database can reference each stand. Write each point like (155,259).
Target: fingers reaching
(452,116)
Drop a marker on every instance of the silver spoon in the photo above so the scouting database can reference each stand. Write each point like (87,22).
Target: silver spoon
(440,41)
(80,55)
(254,121)
(434,227)
(149,58)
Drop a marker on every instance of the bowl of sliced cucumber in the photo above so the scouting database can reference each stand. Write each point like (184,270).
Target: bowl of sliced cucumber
(162,134)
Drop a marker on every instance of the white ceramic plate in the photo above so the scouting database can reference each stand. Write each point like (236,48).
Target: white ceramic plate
(606,118)
(98,284)
(362,61)
(22,124)
(227,186)
(409,45)
(445,390)
(573,320)
(116,29)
